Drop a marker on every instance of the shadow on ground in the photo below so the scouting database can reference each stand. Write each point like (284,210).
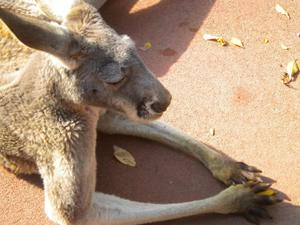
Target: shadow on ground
(164,175)
(170,33)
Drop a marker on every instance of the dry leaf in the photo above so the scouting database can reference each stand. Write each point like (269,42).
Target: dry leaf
(217,38)
(212,131)
(292,69)
(221,41)
(237,42)
(146,46)
(124,156)
(268,192)
(285,78)
(284,47)
(282,11)
(209,37)
(266,40)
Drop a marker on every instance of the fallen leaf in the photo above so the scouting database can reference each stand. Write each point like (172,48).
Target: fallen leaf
(212,131)
(237,42)
(282,10)
(292,69)
(284,47)
(268,192)
(146,46)
(124,156)
(217,38)
(221,41)
(266,40)
(210,37)
(285,78)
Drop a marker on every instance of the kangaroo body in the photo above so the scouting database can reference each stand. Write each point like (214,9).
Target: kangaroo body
(65,74)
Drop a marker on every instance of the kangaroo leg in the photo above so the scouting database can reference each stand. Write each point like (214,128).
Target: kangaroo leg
(69,182)
(111,210)
(222,167)
(244,199)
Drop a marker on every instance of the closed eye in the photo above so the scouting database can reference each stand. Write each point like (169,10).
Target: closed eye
(117,82)
(125,72)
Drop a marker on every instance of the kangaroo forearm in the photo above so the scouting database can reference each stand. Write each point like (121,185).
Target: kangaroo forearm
(160,132)
(170,136)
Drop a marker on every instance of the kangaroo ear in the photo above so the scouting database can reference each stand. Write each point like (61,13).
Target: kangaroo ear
(41,35)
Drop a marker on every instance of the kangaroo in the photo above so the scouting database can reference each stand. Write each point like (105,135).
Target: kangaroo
(78,75)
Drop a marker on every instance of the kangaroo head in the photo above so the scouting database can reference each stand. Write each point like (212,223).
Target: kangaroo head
(104,68)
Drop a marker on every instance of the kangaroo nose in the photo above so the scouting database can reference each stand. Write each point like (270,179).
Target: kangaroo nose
(158,107)
(162,106)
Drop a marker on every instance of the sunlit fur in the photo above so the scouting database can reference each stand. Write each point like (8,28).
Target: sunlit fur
(50,110)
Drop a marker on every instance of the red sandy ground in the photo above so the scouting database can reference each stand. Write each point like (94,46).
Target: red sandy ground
(237,92)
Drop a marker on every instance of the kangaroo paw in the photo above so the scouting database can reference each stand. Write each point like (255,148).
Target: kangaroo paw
(250,200)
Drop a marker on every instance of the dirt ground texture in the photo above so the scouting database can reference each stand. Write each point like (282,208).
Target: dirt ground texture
(237,92)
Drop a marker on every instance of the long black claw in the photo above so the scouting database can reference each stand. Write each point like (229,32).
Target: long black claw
(267,200)
(278,199)
(261,187)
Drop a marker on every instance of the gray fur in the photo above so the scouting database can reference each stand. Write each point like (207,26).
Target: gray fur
(49,113)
